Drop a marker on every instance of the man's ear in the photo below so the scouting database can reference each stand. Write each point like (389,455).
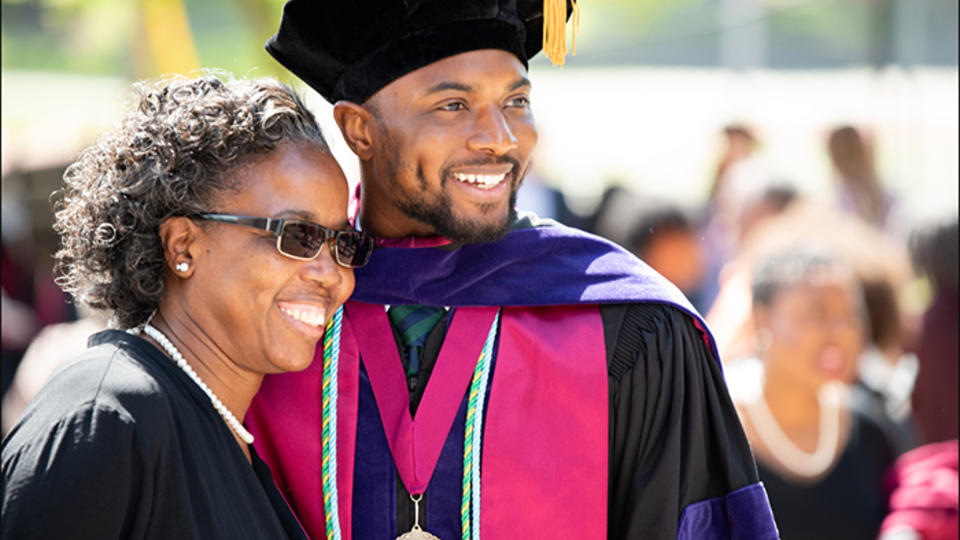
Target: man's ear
(178,236)
(356,126)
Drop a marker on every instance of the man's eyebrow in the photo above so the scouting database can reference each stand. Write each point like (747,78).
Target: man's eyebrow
(448,85)
(519,83)
(461,87)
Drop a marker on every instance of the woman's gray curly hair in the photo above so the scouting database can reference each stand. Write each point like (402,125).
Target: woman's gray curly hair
(171,156)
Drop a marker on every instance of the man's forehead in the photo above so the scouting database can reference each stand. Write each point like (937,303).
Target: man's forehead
(470,71)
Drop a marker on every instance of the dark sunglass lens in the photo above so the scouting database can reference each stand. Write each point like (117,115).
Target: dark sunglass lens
(353,248)
(301,240)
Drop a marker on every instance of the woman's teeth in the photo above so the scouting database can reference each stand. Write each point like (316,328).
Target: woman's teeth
(482,181)
(311,316)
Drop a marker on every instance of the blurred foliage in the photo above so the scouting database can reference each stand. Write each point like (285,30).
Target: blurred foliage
(113,37)
(793,33)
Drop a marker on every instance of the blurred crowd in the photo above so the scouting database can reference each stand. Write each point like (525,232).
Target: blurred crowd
(837,326)
(836,319)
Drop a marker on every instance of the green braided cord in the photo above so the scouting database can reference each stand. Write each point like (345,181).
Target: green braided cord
(479,379)
(468,449)
(478,426)
(331,357)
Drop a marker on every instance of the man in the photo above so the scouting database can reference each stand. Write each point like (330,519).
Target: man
(566,391)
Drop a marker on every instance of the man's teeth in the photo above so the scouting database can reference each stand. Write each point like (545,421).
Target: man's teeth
(309,316)
(482,181)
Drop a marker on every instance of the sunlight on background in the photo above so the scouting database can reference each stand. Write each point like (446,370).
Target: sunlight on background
(640,106)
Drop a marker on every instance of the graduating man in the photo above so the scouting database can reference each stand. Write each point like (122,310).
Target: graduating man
(494,375)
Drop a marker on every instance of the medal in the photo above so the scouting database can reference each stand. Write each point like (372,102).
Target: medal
(415,532)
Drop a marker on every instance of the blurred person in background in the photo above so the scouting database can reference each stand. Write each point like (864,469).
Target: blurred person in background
(614,213)
(659,233)
(730,309)
(739,144)
(742,177)
(30,298)
(924,494)
(664,237)
(821,458)
(934,249)
(211,226)
(772,201)
(859,189)
(886,369)
(19,325)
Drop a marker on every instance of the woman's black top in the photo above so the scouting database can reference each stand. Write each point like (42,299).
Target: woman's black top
(123,444)
(849,502)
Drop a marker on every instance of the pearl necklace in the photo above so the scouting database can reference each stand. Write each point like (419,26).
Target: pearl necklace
(784,450)
(174,353)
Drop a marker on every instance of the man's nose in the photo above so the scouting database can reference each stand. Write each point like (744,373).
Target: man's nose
(492,134)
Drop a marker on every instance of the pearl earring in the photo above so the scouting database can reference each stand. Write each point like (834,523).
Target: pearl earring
(182,267)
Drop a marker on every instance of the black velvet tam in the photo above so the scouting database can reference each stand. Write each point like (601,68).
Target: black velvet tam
(350,49)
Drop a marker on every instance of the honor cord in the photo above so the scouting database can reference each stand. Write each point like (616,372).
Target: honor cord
(472,439)
(331,360)
(472,433)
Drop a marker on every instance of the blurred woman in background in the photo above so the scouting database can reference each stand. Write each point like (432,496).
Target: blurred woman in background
(822,461)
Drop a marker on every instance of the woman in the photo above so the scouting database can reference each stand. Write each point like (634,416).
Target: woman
(214,219)
(821,459)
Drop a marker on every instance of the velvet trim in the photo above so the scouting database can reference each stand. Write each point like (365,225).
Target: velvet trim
(549,265)
(535,266)
(743,514)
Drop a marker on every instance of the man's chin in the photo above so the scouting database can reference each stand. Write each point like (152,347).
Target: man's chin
(464,231)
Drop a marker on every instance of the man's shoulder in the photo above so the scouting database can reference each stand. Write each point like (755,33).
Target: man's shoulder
(647,330)
(651,314)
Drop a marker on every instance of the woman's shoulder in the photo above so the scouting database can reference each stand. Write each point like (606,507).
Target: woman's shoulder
(114,383)
(118,369)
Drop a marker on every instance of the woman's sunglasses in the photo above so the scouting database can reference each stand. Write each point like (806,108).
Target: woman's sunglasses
(303,240)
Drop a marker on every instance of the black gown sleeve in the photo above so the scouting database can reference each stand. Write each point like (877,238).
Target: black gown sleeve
(80,477)
(675,438)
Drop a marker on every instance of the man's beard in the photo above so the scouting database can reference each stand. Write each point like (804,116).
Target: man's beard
(437,211)
(438,214)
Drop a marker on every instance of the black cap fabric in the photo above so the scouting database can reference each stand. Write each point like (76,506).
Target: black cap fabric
(350,49)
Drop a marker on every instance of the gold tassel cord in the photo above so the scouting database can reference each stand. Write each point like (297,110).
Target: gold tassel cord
(555,29)
(575,19)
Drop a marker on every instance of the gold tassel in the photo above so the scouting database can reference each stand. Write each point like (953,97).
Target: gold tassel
(555,29)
